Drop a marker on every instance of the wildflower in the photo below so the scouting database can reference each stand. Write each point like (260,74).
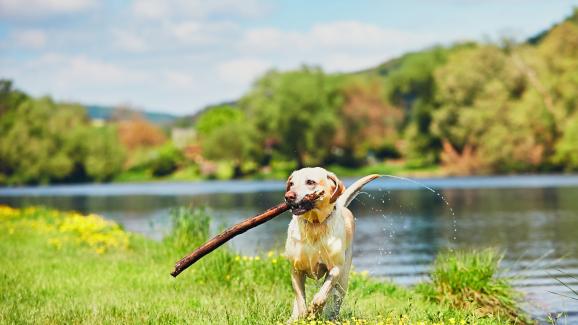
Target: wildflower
(237,258)
(270,254)
(274,261)
(257,258)
(57,243)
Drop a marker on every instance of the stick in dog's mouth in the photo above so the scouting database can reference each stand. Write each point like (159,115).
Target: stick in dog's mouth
(306,204)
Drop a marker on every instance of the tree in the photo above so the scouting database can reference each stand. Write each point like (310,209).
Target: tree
(296,110)
(138,133)
(103,155)
(367,122)
(39,141)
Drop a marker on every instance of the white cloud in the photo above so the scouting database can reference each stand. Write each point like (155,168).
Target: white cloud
(151,9)
(343,34)
(349,35)
(29,38)
(42,8)
(187,9)
(179,79)
(78,71)
(86,70)
(351,62)
(336,46)
(241,71)
(130,42)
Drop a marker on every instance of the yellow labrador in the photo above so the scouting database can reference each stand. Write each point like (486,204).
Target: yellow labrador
(320,237)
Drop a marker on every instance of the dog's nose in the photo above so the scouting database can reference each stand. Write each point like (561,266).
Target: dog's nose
(290,196)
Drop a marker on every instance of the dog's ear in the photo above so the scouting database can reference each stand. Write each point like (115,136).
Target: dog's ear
(338,187)
(288,185)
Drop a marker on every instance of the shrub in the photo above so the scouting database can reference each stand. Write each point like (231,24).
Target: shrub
(167,160)
(470,281)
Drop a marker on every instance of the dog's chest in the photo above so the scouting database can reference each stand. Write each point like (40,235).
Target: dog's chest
(309,245)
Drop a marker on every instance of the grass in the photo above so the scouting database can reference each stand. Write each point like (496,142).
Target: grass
(470,281)
(95,273)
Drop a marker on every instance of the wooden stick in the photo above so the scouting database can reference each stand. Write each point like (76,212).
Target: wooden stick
(226,235)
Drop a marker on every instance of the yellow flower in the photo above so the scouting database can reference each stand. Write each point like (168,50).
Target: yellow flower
(257,258)
(274,261)
(237,258)
(270,253)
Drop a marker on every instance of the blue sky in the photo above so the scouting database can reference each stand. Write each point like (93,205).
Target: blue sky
(179,55)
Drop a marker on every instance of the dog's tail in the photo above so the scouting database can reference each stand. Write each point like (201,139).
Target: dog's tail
(352,191)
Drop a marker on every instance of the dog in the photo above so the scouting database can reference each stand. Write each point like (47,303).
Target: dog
(320,238)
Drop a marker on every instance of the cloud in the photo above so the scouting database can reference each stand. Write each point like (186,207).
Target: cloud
(197,9)
(179,80)
(242,71)
(42,8)
(336,46)
(29,38)
(130,42)
(349,35)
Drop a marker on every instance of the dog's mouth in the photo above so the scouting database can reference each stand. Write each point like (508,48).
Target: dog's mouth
(302,207)
(306,204)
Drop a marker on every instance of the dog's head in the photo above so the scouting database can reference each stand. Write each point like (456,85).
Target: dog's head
(312,189)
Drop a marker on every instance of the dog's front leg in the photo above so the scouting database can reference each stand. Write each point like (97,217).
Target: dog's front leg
(321,297)
(299,305)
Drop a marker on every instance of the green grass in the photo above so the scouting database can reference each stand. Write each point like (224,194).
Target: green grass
(51,277)
(469,280)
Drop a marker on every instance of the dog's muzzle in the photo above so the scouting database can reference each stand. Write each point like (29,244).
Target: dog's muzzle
(306,204)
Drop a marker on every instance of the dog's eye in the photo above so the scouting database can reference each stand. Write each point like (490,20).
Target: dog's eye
(289,184)
(310,182)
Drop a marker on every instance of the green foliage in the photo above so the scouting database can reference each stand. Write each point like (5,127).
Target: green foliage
(472,281)
(566,148)
(295,111)
(166,160)
(9,97)
(233,142)
(104,156)
(39,141)
(190,228)
(42,141)
(215,117)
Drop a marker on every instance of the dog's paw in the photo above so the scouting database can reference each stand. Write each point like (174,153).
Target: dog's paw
(316,306)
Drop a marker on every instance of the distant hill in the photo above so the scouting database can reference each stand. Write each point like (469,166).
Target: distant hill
(105,113)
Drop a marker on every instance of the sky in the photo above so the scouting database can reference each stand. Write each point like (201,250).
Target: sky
(177,56)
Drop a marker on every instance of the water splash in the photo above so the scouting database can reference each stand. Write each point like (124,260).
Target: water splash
(454,221)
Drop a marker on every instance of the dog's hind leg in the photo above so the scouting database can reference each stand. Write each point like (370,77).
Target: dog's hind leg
(299,305)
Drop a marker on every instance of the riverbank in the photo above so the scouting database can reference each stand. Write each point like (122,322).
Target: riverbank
(66,268)
(277,171)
